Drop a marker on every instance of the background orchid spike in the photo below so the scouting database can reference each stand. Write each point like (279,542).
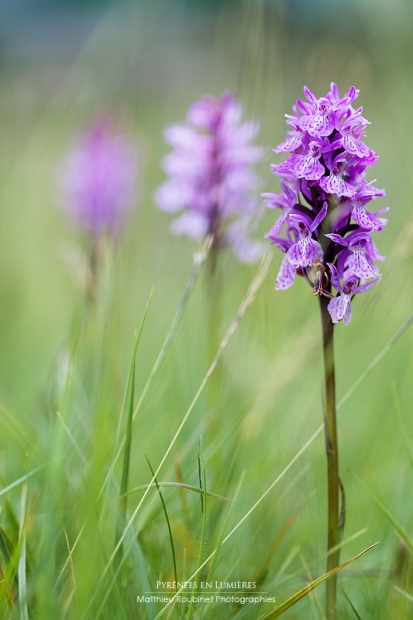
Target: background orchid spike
(323,202)
(211,177)
(99,179)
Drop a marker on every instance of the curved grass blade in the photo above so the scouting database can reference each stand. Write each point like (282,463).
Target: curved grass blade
(320,558)
(19,481)
(376,360)
(203,486)
(400,529)
(123,498)
(274,613)
(128,443)
(131,375)
(352,606)
(180,485)
(167,521)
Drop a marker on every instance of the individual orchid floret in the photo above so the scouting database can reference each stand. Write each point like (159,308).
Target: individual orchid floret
(340,307)
(366,220)
(308,166)
(302,253)
(306,250)
(211,177)
(316,119)
(99,178)
(334,182)
(360,253)
(325,201)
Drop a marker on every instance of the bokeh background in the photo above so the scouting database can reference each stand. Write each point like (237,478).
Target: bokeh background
(64,62)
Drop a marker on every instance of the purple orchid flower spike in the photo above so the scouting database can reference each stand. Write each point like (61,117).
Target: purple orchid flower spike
(326,197)
(211,179)
(99,178)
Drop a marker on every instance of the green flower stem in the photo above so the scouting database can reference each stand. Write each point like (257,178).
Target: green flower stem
(332,457)
(214,321)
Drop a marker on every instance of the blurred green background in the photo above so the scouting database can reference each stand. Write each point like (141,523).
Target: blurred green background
(61,64)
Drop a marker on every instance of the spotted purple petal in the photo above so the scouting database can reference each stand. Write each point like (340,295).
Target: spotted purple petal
(359,265)
(286,275)
(366,220)
(308,167)
(304,252)
(335,184)
(347,313)
(337,307)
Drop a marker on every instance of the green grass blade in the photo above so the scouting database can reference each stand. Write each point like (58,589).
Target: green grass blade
(274,613)
(167,521)
(352,606)
(221,534)
(404,593)
(180,485)
(376,360)
(203,486)
(399,528)
(321,558)
(16,483)
(128,443)
(131,376)
(24,612)
(199,260)
(4,546)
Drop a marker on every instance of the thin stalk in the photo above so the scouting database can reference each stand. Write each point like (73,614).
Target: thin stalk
(213,307)
(167,522)
(333,481)
(128,448)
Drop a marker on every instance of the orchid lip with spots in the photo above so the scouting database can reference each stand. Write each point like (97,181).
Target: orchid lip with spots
(324,201)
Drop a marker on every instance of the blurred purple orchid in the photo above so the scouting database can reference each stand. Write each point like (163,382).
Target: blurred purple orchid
(99,179)
(211,177)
